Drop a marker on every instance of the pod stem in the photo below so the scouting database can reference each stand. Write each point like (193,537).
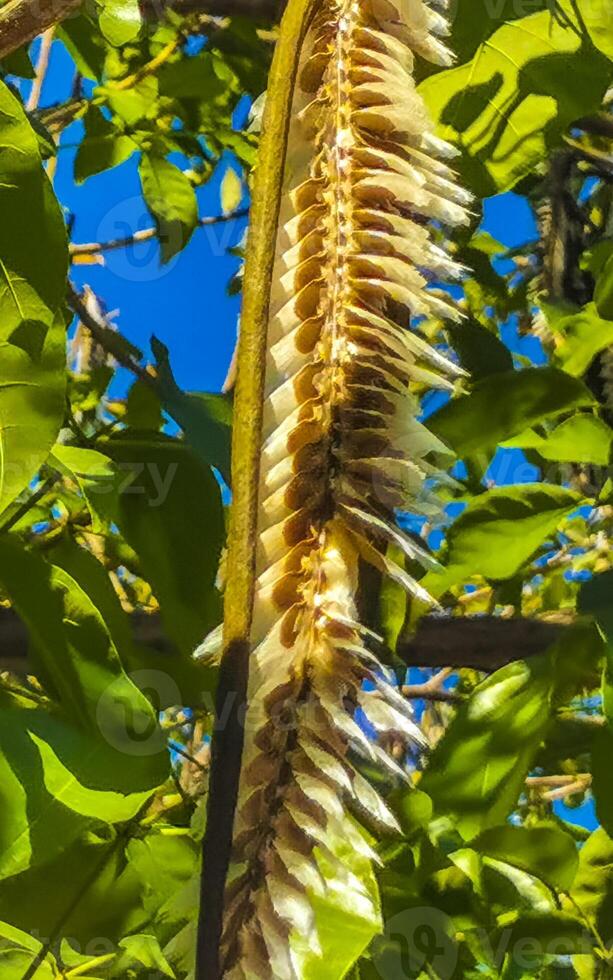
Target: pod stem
(227,748)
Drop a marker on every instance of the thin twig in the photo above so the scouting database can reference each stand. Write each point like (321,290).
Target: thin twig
(560,787)
(94,248)
(112,341)
(41,70)
(27,505)
(433,690)
(149,68)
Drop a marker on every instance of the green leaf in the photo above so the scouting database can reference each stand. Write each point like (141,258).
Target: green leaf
(101,756)
(580,439)
(504,405)
(593,885)
(553,933)
(584,335)
(191,78)
(133,105)
(603,294)
(172,515)
(143,409)
(501,530)
(477,771)
(345,921)
(102,148)
(144,950)
(73,649)
(509,106)
(86,891)
(34,261)
(120,21)
(32,393)
(544,851)
(173,678)
(96,477)
(18,63)
(206,419)
(472,25)
(480,351)
(231,191)
(84,44)
(172,201)
(596,600)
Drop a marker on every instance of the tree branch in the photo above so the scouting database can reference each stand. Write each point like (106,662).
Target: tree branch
(483,642)
(113,342)
(23,20)
(146,235)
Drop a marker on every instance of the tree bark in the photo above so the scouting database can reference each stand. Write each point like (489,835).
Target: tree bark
(484,643)
(23,20)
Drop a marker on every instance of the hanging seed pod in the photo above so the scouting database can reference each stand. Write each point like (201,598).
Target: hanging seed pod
(340,450)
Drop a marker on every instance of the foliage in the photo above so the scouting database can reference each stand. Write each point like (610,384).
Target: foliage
(112,522)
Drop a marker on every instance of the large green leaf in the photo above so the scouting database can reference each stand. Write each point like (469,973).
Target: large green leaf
(172,201)
(33,248)
(99,756)
(593,885)
(95,476)
(500,531)
(32,391)
(72,646)
(120,20)
(347,917)
(477,771)
(172,515)
(171,676)
(509,106)
(545,851)
(596,599)
(504,405)
(102,147)
(206,419)
(583,335)
(86,891)
(580,439)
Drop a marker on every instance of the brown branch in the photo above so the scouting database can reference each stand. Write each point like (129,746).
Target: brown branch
(481,642)
(23,20)
(113,342)
(146,235)
(434,689)
(559,787)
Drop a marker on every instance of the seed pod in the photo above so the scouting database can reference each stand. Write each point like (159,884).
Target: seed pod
(341,450)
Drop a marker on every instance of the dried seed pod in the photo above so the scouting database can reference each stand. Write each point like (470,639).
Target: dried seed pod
(341,449)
